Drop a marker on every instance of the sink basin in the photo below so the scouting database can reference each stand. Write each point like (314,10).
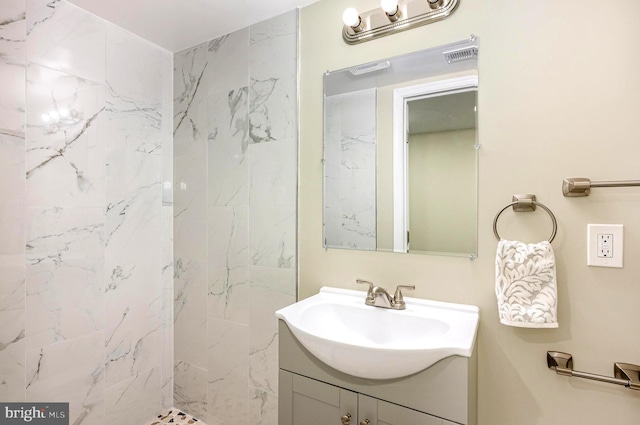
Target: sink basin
(377,343)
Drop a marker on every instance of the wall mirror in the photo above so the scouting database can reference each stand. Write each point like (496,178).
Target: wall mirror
(400,153)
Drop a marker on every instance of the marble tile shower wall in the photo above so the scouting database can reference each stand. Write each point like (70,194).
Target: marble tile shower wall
(235,168)
(85,227)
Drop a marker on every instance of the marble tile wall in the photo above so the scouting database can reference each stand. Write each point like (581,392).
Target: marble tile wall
(350,169)
(13,35)
(86,270)
(235,168)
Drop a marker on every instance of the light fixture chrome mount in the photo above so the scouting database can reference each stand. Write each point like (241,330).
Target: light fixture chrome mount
(395,16)
(391,9)
(410,14)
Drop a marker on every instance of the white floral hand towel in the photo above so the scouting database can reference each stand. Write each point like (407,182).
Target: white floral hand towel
(526,284)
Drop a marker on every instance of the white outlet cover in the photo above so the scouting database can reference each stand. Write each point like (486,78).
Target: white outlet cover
(617,231)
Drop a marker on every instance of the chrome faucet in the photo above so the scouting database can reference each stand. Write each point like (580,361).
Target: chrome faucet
(377,296)
(381,298)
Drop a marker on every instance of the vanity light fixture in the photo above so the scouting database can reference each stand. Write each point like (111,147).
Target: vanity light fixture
(390,7)
(393,16)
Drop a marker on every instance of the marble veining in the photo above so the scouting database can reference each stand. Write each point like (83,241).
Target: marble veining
(12,220)
(190,390)
(135,68)
(12,194)
(190,134)
(235,156)
(261,129)
(132,342)
(12,131)
(13,35)
(12,282)
(228,139)
(13,30)
(272,53)
(63,139)
(228,372)
(80,360)
(270,289)
(190,152)
(167,347)
(228,261)
(167,258)
(133,400)
(190,312)
(147,117)
(63,37)
(350,167)
(15,338)
(228,57)
(215,44)
(133,213)
(272,209)
(263,407)
(189,76)
(85,122)
(12,349)
(64,280)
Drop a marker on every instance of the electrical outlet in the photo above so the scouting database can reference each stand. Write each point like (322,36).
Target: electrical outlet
(605,245)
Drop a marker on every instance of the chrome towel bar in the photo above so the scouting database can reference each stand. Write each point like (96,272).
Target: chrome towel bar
(626,374)
(581,186)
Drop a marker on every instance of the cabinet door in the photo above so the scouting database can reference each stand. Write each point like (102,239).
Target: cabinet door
(392,414)
(312,402)
(367,410)
(305,401)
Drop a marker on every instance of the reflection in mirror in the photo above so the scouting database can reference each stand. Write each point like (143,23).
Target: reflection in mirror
(400,161)
(350,170)
(435,159)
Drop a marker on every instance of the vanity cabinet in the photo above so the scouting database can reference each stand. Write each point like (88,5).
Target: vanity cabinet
(310,402)
(312,393)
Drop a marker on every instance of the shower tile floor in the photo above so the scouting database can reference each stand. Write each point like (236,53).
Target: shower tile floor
(175,416)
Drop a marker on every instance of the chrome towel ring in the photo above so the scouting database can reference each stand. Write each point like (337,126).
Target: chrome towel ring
(526,203)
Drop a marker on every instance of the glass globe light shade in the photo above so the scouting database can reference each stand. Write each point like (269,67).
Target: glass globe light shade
(389,6)
(350,17)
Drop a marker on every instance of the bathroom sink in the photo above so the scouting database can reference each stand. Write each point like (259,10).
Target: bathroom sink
(376,343)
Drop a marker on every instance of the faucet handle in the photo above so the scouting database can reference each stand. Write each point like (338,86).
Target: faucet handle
(398,299)
(370,291)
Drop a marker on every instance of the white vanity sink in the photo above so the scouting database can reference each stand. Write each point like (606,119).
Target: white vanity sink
(377,343)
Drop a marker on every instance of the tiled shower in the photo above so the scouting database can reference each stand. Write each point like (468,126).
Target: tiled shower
(107,203)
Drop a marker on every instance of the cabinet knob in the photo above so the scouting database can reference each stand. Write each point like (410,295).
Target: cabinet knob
(365,422)
(346,419)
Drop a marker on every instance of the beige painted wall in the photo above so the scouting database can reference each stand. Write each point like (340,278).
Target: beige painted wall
(559,97)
